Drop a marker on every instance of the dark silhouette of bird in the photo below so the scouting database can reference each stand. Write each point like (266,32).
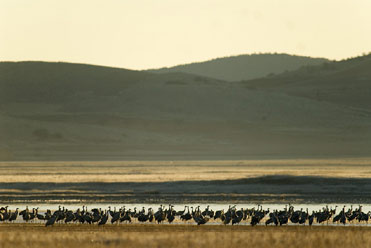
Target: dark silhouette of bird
(104,219)
(51,221)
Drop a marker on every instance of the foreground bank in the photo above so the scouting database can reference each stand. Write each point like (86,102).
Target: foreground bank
(81,236)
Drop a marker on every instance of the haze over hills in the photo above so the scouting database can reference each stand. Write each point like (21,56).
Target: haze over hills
(62,111)
(244,67)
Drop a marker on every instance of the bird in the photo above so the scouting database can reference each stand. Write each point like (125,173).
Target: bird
(14,216)
(104,219)
(169,215)
(51,221)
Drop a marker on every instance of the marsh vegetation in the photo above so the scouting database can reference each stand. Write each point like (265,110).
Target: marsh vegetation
(81,236)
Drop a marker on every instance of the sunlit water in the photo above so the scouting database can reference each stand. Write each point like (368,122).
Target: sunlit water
(178,207)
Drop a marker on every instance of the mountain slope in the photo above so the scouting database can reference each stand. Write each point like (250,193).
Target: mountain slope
(58,111)
(244,67)
(346,83)
(53,82)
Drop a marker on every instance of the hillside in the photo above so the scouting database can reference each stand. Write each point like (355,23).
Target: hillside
(244,67)
(57,82)
(345,83)
(62,111)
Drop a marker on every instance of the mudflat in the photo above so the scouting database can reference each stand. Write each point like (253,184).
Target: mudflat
(278,180)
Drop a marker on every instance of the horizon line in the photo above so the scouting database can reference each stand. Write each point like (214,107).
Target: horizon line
(195,62)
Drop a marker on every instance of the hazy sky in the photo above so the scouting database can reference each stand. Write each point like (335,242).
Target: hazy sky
(141,34)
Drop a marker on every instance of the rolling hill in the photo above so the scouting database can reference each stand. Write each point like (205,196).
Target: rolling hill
(244,67)
(346,82)
(63,111)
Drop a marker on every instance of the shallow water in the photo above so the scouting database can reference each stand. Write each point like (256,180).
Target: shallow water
(311,207)
(178,207)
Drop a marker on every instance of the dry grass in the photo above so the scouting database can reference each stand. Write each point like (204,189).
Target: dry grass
(161,171)
(18,235)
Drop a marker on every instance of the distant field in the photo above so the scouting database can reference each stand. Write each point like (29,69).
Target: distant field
(165,171)
(304,180)
(35,235)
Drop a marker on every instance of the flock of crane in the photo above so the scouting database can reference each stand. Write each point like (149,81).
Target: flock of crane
(233,216)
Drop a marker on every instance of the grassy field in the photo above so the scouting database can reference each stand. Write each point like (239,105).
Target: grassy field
(161,171)
(259,181)
(34,235)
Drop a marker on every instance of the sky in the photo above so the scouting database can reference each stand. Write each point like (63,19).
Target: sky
(142,34)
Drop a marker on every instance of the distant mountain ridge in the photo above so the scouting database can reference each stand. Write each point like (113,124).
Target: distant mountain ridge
(244,67)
